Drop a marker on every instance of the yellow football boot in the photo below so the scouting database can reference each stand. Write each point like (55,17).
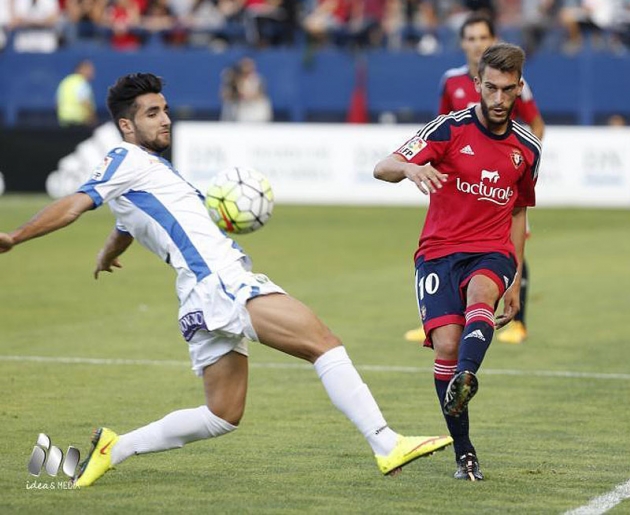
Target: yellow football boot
(514,333)
(99,460)
(410,448)
(415,335)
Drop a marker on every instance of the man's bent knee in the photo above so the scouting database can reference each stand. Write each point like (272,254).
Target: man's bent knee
(231,414)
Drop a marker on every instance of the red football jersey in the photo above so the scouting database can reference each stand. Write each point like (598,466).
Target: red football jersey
(458,92)
(488,176)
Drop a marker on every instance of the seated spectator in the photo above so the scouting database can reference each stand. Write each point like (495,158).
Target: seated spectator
(6,17)
(326,20)
(160,22)
(364,23)
(620,29)
(422,24)
(270,22)
(580,17)
(123,19)
(36,24)
(539,18)
(393,23)
(206,21)
(82,19)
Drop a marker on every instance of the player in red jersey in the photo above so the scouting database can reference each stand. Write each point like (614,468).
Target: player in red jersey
(477,33)
(480,168)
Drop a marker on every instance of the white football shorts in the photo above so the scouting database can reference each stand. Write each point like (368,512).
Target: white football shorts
(214,320)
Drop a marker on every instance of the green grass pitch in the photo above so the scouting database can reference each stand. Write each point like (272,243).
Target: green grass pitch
(551,422)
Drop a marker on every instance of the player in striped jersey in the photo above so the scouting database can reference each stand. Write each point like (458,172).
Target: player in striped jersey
(458,92)
(222,304)
(480,168)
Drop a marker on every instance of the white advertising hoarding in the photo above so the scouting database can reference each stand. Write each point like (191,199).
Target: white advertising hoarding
(333,163)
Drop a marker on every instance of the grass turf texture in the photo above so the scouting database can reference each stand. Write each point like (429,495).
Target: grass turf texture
(547,443)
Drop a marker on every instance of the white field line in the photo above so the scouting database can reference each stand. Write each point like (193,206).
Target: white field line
(605,502)
(367,368)
(597,506)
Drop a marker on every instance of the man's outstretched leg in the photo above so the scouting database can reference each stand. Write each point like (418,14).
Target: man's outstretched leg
(286,324)
(226,385)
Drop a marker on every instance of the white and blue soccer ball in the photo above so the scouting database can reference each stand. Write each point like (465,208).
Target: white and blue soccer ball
(240,200)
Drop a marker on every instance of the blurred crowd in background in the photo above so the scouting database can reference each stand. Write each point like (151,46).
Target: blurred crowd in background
(428,26)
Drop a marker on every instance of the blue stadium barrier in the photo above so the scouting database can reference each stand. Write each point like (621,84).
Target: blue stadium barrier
(582,89)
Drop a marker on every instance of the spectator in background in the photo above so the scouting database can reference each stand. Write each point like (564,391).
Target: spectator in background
(325,20)
(229,94)
(75,98)
(270,22)
(36,24)
(616,120)
(253,104)
(579,17)
(539,17)
(423,23)
(83,18)
(393,23)
(160,21)
(6,17)
(206,20)
(123,18)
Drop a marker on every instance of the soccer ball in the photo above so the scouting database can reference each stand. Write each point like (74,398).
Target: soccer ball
(240,200)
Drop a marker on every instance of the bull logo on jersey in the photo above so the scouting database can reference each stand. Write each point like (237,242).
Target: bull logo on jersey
(492,177)
(412,148)
(517,158)
(487,188)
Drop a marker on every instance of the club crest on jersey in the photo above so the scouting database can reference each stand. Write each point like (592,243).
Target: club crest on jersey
(413,147)
(517,158)
(99,171)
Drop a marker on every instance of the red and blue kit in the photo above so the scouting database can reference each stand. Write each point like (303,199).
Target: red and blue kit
(488,176)
(458,92)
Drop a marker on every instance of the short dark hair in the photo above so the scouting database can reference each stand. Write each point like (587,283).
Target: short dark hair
(121,97)
(504,57)
(473,19)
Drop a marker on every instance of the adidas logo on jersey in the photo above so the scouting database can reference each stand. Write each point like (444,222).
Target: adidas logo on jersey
(467,150)
(476,334)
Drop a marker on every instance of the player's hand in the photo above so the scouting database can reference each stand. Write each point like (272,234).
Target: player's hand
(6,242)
(511,306)
(103,264)
(426,178)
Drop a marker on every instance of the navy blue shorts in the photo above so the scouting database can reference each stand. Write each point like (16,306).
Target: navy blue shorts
(441,285)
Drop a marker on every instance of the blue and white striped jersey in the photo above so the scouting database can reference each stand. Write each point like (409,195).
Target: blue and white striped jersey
(166,214)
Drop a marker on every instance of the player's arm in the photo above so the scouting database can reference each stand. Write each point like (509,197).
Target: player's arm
(55,216)
(394,168)
(537,126)
(115,244)
(511,301)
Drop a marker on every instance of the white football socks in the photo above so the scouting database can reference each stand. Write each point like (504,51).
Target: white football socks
(342,382)
(353,398)
(173,431)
